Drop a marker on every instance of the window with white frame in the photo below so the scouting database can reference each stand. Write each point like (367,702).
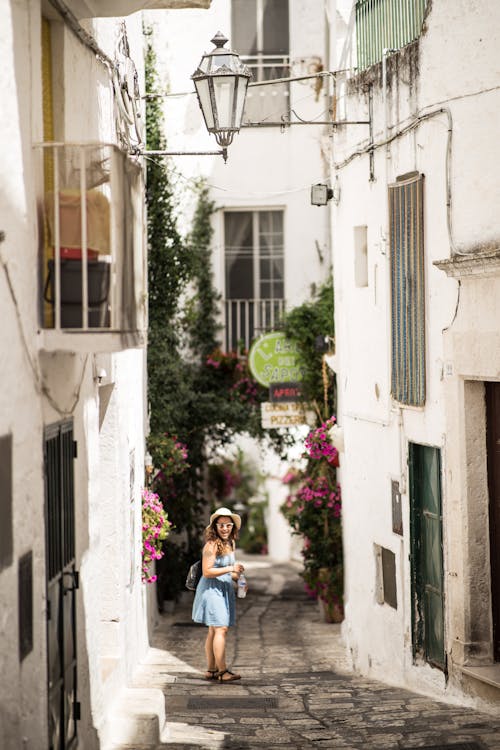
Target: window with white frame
(254,273)
(260,36)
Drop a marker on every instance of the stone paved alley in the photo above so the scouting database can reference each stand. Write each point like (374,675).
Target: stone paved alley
(296,689)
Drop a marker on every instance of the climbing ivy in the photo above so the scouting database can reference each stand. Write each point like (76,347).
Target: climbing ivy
(311,325)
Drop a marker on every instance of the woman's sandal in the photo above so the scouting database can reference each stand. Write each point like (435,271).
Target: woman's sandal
(231,677)
(212,674)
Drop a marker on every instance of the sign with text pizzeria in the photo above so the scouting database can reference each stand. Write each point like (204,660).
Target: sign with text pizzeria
(274,361)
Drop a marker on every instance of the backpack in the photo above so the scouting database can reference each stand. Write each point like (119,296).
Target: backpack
(193,576)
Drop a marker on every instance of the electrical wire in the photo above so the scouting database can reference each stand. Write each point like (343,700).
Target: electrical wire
(195,180)
(40,386)
(403,131)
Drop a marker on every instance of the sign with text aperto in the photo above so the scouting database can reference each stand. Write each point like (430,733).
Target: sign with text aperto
(274,358)
(281,393)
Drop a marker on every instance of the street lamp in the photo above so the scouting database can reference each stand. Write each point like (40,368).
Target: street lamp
(221,82)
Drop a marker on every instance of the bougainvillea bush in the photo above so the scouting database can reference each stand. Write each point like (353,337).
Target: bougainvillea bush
(313,509)
(155,529)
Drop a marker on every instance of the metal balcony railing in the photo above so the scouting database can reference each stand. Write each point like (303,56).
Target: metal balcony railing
(386,24)
(92,267)
(246,319)
(267,102)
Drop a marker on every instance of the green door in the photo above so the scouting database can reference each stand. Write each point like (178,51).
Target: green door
(427,554)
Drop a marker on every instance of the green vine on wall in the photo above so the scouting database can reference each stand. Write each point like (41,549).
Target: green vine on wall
(308,324)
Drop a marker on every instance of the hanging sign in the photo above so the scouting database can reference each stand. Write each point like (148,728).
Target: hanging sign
(274,358)
(285,392)
(282,415)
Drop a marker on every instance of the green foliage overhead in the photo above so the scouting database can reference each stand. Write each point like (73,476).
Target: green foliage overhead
(306,323)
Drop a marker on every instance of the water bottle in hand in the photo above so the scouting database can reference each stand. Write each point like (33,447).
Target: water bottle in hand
(242,586)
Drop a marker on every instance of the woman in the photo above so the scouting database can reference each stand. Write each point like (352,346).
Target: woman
(214,603)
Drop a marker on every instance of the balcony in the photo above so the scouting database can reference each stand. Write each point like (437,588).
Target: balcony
(267,102)
(103,8)
(246,319)
(386,24)
(92,259)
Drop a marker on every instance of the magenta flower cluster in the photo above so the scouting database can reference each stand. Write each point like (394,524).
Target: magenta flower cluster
(318,493)
(222,360)
(245,389)
(175,456)
(318,443)
(155,528)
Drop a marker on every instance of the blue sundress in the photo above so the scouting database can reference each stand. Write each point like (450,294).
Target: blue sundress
(214,601)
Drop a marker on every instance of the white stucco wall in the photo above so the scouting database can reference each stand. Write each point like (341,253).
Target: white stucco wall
(453,67)
(23,714)
(40,388)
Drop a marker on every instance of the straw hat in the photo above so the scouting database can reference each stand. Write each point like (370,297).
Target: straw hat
(226,512)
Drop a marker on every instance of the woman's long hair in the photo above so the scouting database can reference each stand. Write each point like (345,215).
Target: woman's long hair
(212,535)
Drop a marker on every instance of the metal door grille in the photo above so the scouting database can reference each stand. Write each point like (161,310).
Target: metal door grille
(62,582)
(407,291)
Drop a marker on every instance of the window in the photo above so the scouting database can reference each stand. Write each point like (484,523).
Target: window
(407,290)
(361,256)
(260,36)
(254,273)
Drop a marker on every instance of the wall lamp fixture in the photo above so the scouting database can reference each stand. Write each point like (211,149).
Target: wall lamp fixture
(321,194)
(221,82)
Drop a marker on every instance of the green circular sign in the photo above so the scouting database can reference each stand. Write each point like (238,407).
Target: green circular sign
(273,358)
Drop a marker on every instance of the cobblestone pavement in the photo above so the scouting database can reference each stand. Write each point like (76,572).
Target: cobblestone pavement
(296,689)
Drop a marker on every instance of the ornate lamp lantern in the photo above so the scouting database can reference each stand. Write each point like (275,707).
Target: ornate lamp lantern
(221,82)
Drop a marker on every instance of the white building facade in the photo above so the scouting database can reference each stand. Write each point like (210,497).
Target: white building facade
(73,301)
(417,287)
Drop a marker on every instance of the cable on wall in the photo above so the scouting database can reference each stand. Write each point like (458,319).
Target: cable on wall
(415,122)
(40,386)
(87,39)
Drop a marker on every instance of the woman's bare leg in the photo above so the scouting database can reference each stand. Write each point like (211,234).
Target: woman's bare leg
(209,650)
(219,648)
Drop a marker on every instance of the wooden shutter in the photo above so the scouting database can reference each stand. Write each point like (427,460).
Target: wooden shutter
(406,222)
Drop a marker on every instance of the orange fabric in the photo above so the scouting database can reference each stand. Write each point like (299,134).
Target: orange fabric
(70,220)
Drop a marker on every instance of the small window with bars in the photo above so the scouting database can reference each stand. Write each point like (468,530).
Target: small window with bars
(406,225)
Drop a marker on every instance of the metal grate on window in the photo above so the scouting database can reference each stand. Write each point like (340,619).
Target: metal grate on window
(59,454)
(407,291)
(386,24)
(6,541)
